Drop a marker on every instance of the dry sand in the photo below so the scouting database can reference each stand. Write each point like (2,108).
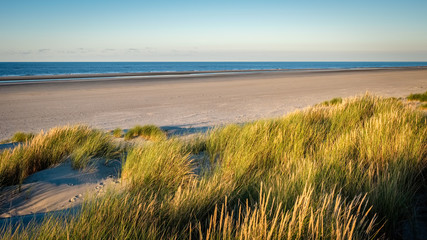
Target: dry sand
(57,188)
(185,101)
(194,101)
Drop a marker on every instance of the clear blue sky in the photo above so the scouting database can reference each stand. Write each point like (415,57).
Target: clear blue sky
(233,30)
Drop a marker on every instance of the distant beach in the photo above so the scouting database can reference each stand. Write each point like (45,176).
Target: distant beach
(127,68)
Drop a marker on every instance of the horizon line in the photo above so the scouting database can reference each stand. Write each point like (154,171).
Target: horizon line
(414,61)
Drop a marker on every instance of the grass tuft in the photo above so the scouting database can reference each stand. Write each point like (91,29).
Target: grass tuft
(53,147)
(96,145)
(333,101)
(22,137)
(422,97)
(148,132)
(161,166)
(117,133)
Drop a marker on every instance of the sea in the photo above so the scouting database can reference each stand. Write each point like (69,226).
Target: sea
(56,68)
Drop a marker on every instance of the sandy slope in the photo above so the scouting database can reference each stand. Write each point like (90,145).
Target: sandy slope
(57,188)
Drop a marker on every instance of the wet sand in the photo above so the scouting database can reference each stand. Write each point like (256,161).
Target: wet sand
(187,100)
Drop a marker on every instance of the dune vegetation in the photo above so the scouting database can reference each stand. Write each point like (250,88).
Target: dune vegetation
(349,169)
(79,143)
(422,97)
(333,101)
(117,133)
(22,137)
(148,132)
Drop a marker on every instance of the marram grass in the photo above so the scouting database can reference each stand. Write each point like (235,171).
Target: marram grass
(422,97)
(148,132)
(331,102)
(349,170)
(22,137)
(44,150)
(160,166)
(117,132)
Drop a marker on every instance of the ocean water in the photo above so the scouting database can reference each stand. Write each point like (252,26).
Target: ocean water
(54,68)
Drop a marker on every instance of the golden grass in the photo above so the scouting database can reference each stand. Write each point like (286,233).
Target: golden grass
(117,133)
(22,137)
(148,132)
(147,169)
(348,170)
(422,97)
(331,102)
(47,149)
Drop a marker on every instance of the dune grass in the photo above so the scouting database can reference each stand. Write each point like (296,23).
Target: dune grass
(422,97)
(331,102)
(22,137)
(80,143)
(161,166)
(96,145)
(349,170)
(117,133)
(148,132)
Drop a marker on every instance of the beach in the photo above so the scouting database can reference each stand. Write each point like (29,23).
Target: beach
(52,183)
(213,120)
(183,101)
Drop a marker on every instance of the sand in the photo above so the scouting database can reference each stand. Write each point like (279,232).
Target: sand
(57,188)
(183,101)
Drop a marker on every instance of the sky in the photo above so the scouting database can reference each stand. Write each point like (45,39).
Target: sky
(215,30)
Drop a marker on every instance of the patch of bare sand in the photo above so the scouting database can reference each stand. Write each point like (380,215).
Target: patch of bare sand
(58,188)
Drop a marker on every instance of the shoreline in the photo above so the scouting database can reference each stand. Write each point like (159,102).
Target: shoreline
(100,76)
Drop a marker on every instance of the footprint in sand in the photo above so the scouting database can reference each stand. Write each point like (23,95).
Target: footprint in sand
(77,197)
